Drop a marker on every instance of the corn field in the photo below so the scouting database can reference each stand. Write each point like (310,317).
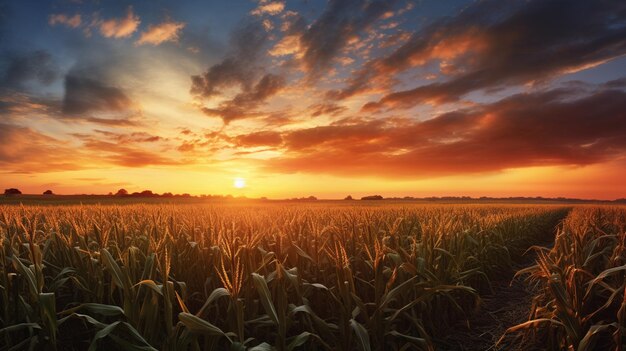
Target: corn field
(297,277)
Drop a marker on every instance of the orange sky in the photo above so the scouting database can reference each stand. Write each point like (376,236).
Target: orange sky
(397,98)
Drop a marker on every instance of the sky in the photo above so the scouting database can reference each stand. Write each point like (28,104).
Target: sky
(305,97)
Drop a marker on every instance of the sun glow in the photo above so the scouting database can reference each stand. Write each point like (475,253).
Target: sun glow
(239,183)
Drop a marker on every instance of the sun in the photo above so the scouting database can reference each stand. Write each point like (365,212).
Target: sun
(239,183)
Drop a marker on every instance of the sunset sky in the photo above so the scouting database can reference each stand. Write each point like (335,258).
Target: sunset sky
(325,98)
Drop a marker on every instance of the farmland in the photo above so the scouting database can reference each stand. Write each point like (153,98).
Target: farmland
(358,276)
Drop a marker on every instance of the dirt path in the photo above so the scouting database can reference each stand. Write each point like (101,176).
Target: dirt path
(509,305)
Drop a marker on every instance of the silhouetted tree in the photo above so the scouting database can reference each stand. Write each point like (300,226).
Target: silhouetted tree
(121,192)
(11,192)
(48,192)
(372,197)
(349,197)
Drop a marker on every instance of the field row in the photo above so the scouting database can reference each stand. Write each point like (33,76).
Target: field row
(581,303)
(183,277)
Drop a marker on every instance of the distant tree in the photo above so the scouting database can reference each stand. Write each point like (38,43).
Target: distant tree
(349,197)
(48,192)
(311,198)
(11,192)
(167,195)
(121,192)
(147,193)
(372,197)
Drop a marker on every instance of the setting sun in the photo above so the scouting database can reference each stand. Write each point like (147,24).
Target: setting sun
(239,183)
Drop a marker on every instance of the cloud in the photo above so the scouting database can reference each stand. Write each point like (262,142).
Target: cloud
(239,68)
(492,44)
(158,34)
(328,109)
(120,28)
(21,68)
(130,138)
(24,150)
(243,105)
(269,8)
(86,95)
(127,150)
(341,21)
(66,20)
(557,127)
(263,138)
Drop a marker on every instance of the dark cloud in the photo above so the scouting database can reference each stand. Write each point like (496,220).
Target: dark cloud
(269,85)
(556,127)
(497,43)
(243,105)
(341,21)
(240,68)
(616,83)
(86,95)
(18,69)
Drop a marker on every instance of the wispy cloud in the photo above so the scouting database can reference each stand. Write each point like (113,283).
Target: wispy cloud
(120,27)
(160,33)
(269,7)
(478,49)
(67,20)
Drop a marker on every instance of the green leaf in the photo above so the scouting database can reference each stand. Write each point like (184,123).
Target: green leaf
(262,347)
(108,330)
(265,296)
(17,327)
(199,325)
(149,283)
(48,310)
(215,294)
(101,309)
(361,335)
(298,340)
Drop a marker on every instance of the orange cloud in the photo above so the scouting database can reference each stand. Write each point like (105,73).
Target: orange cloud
(549,128)
(120,28)
(24,150)
(270,8)
(263,138)
(157,34)
(60,18)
